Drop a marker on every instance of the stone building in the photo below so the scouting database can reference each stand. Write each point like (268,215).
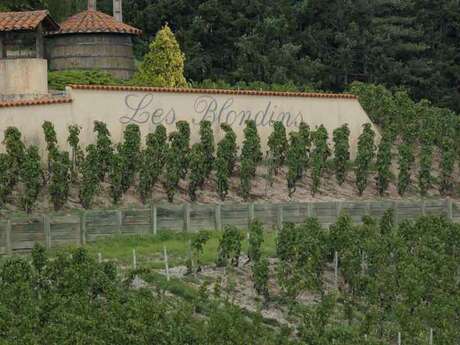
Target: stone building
(93,40)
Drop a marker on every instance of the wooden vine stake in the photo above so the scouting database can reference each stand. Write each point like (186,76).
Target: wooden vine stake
(134,259)
(166,263)
(399,338)
(431,336)
(336,269)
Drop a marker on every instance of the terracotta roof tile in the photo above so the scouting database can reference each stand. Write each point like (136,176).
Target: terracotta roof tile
(27,20)
(38,101)
(213,91)
(91,21)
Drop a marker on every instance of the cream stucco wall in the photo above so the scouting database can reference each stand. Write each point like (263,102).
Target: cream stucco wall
(148,109)
(23,76)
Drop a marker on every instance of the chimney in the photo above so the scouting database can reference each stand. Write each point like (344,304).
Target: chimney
(118,10)
(91,5)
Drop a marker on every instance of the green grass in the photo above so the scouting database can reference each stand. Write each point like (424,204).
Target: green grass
(149,248)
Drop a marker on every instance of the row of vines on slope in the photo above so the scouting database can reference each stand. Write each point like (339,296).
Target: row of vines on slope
(170,159)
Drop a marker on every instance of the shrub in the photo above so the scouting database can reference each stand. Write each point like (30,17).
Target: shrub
(60,179)
(31,176)
(225,160)
(172,166)
(260,276)
(5,178)
(104,149)
(130,151)
(197,247)
(183,146)
(51,142)
(256,238)
(58,80)
(15,156)
(229,147)
(116,167)
(306,138)
(277,143)
(246,171)
(447,165)
(251,150)
(89,185)
(73,140)
(295,161)
(207,143)
(424,175)
(406,160)
(365,155)
(229,246)
(319,157)
(341,137)
(197,170)
(383,164)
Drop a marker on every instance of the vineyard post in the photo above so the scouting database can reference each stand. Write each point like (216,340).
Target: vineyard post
(449,208)
(336,270)
(99,257)
(153,218)
(310,210)
(431,336)
(83,228)
(280,217)
(368,208)
(119,221)
(423,207)
(47,231)
(338,206)
(134,259)
(251,213)
(166,263)
(399,338)
(186,211)
(396,212)
(9,246)
(218,217)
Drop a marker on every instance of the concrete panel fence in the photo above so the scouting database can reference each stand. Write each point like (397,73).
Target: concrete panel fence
(20,234)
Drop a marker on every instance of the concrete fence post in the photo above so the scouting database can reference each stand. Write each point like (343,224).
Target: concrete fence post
(280,217)
(251,213)
(153,219)
(310,210)
(449,209)
(119,221)
(396,212)
(83,228)
(186,210)
(9,244)
(338,207)
(423,207)
(47,231)
(218,217)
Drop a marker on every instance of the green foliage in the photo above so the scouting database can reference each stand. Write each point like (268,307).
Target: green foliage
(365,155)
(302,254)
(256,238)
(197,169)
(277,143)
(183,146)
(58,80)
(12,161)
(306,136)
(319,157)
(341,137)
(229,247)
(246,170)
(104,148)
(74,140)
(152,162)
(31,176)
(173,166)
(197,246)
(51,142)
(5,178)
(116,167)
(225,160)
(130,152)
(426,162)
(260,276)
(89,185)
(251,149)
(295,159)
(60,179)
(447,165)
(207,142)
(383,163)
(405,161)
(163,65)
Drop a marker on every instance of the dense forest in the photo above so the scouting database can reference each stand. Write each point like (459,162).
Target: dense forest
(410,44)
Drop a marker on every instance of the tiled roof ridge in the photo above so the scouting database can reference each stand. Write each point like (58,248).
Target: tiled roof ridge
(36,101)
(214,91)
(23,20)
(93,21)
